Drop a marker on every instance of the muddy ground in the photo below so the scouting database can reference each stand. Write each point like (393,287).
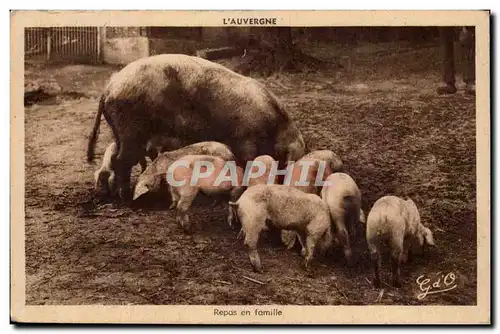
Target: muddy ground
(380,114)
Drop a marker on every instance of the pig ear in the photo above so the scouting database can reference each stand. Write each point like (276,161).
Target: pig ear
(337,164)
(429,238)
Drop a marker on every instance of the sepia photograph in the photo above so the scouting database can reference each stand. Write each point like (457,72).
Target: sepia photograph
(248,166)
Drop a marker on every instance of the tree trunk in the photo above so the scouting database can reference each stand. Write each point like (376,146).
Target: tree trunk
(275,47)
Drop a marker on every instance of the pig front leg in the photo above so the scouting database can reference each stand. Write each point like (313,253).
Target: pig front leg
(300,237)
(376,262)
(251,230)
(231,217)
(186,197)
(288,238)
(315,231)
(311,240)
(251,240)
(233,197)
(174,195)
(396,259)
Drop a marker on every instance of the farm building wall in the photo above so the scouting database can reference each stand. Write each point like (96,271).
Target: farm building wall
(122,45)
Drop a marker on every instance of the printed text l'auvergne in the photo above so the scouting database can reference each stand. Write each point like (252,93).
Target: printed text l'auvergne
(259,21)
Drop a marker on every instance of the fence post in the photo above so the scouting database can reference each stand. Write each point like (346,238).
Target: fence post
(101,41)
(49,42)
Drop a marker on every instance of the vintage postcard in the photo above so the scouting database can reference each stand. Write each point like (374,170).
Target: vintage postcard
(250,167)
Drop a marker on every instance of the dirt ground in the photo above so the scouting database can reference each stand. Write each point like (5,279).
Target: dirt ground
(380,114)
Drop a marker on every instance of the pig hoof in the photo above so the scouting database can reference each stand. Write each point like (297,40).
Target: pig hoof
(257,269)
(187,229)
(172,206)
(302,252)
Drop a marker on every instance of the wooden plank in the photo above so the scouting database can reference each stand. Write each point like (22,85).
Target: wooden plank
(49,42)
(101,41)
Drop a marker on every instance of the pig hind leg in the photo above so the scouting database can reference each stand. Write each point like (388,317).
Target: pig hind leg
(127,157)
(376,262)
(397,257)
(343,238)
(131,134)
(351,218)
(406,250)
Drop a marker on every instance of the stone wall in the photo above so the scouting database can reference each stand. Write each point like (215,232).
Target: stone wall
(122,45)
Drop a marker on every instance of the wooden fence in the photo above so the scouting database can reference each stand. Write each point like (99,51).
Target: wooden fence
(80,44)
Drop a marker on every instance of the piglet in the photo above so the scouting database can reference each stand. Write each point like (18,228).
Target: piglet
(191,174)
(285,208)
(307,175)
(395,221)
(343,198)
